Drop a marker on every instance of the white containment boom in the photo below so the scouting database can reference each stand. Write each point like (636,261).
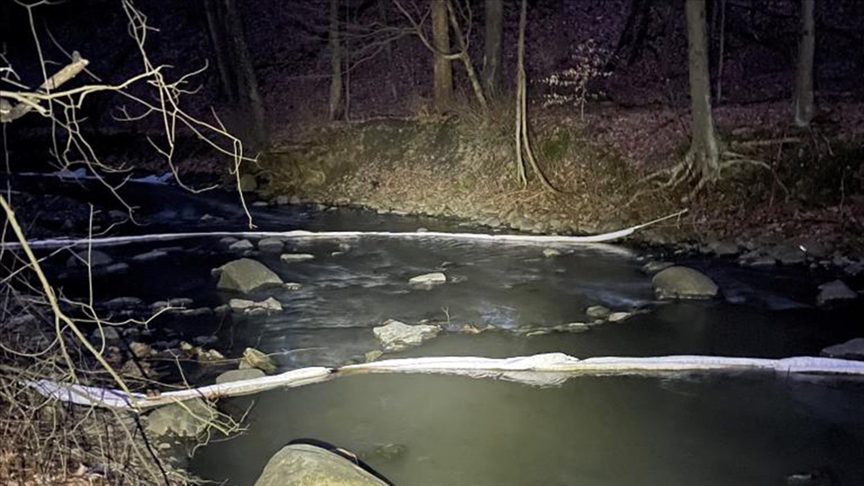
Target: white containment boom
(542,370)
(344,235)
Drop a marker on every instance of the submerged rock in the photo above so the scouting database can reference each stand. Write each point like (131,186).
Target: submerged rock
(723,248)
(174,304)
(239,375)
(246,276)
(242,245)
(835,293)
(651,268)
(95,257)
(787,254)
(187,419)
(271,245)
(429,279)
(551,252)
(243,306)
(852,349)
(683,283)
(619,316)
(149,256)
(108,333)
(227,241)
(307,465)
(296,257)
(385,452)
(252,358)
(116,268)
(398,336)
(598,312)
(123,303)
(854,269)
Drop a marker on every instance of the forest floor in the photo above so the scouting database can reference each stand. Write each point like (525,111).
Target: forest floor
(464,166)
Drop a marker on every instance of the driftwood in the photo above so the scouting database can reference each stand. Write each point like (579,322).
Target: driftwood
(542,369)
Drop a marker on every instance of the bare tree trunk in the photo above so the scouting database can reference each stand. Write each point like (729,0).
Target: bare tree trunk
(466,59)
(236,70)
(635,31)
(803,102)
(216,25)
(523,141)
(382,11)
(335,105)
(442,68)
(492,47)
(704,152)
(722,52)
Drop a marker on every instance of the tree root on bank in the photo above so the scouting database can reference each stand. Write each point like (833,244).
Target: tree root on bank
(687,173)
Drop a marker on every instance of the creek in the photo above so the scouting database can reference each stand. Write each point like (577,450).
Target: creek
(445,430)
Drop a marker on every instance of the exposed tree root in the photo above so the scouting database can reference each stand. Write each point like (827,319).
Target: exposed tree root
(686,173)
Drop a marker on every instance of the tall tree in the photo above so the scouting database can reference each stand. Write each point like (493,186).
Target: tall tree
(442,67)
(523,141)
(635,32)
(803,102)
(237,74)
(336,108)
(492,47)
(704,152)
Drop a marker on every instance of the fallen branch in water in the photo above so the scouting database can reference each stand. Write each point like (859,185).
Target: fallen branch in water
(542,369)
(336,235)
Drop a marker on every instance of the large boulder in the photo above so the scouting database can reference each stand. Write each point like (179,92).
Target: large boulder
(245,275)
(853,349)
(683,283)
(308,465)
(398,336)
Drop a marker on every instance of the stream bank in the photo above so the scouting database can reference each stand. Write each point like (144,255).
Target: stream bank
(462,167)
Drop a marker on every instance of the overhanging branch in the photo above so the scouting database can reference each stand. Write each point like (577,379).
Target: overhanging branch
(26,105)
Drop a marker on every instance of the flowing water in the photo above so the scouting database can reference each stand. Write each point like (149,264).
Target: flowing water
(435,430)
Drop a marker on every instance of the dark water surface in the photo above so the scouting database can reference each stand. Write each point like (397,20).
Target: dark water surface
(590,431)
(454,431)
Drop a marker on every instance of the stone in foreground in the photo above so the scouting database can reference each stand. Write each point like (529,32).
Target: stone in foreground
(835,293)
(436,278)
(852,349)
(307,465)
(683,283)
(398,336)
(246,276)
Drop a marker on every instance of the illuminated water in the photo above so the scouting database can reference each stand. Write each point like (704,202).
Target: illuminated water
(591,431)
(731,430)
